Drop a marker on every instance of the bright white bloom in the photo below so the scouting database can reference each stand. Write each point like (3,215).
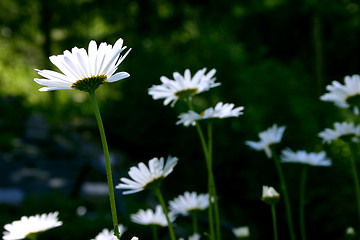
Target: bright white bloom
(188,202)
(220,111)
(269,192)
(350,231)
(312,159)
(149,217)
(241,232)
(22,228)
(341,130)
(195,236)
(107,234)
(344,95)
(142,175)
(270,136)
(270,195)
(84,70)
(183,86)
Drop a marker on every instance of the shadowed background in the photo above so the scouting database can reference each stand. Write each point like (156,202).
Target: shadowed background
(274,57)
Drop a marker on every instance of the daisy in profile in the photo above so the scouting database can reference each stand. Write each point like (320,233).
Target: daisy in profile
(85,70)
(241,232)
(219,111)
(269,195)
(344,96)
(149,217)
(183,87)
(144,177)
(188,202)
(341,131)
(271,136)
(107,234)
(312,159)
(28,227)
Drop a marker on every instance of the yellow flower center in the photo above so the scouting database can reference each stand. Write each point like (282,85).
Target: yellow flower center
(89,83)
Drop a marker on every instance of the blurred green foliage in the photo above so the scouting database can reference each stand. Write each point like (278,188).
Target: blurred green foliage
(274,57)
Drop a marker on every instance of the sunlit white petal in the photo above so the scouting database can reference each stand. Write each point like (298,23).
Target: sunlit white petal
(79,64)
(149,217)
(172,90)
(301,156)
(268,137)
(20,229)
(142,175)
(341,130)
(188,202)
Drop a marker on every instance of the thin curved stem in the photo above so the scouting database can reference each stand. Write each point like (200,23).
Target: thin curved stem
(163,205)
(356,179)
(194,222)
(285,193)
(211,183)
(107,162)
(302,202)
(273,213)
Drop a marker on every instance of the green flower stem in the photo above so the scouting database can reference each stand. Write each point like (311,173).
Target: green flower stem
(163,205)
(194,221)
(107,162)
(285,193)
(356,178)
(213,186)
(273,213)
(211,182)
(155,232)
(32,236)
(302,202)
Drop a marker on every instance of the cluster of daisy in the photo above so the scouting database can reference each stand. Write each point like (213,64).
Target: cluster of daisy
(86,70)
(185,87)
(30,227)
(343,96)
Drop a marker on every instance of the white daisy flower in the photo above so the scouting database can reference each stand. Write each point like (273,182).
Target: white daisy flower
(85,70)
(107,234)
(188,202)
(270,136)
(219,111)
(183,86)
(269,192)
(344,96)
(341,130)
(149,217)
(241,232)
(350,231)
(312,159)
(142,176)
(270,195)
(195,236)
(26,226)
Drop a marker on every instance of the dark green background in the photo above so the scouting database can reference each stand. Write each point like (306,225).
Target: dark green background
(274,57)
